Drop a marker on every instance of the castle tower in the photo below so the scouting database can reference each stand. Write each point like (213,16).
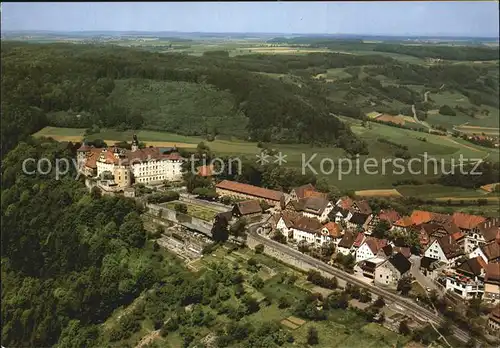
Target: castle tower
(135,144)
(81,154)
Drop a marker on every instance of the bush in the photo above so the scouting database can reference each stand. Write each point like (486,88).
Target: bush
(181,208)
(447,110)
(259,249)
(162,197)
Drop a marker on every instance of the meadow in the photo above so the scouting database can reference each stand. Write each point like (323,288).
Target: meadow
(297,155)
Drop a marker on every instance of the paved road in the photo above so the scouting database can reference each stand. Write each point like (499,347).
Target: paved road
(410,306)
(419,276)
(414,111)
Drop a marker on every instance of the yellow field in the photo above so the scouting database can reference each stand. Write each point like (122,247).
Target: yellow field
(296,321)
(478,129)
(373,114)
(289,324)
(282,50)
(379,193)
(489,187)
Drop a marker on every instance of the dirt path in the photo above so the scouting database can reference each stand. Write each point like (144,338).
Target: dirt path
(466,146)
(148,338)
(426,96)
(414,111)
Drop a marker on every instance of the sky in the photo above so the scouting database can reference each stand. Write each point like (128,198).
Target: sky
(448,18)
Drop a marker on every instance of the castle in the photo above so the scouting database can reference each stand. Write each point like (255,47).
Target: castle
(148,165)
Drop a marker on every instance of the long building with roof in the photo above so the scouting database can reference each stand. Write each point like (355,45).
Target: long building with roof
(148,165)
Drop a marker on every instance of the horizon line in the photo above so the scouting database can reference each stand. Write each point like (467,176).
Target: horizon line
(243,32)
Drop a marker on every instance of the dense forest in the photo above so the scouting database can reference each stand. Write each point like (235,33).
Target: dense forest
(447,52)
(59,77)
(255,97)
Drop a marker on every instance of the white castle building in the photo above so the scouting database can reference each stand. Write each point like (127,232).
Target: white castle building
(148,165)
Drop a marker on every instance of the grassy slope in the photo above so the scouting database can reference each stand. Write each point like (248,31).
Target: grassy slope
(436,146)
(342,329)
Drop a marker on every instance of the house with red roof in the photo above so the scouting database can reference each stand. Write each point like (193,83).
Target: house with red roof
(445,249)
(369,248)
(478,229)
(246,191)
(467,279)
(141,165)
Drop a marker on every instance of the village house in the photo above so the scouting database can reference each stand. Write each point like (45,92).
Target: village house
(367,267)
(360,238)
(390,216)
(466,280)
(335,231)
(369,248)
(358,221)
(402,225)
(344,203)
(339,215)
(444,249)
(428,267)
(285,223)
(346,244)
(305,191)
(310,230)
(492,282)
(392,270)
(482,233)
(361,207)
(246,191)
(489,252)
(313,207)
(148,165)
(470,225)
(247,208)
(494,320)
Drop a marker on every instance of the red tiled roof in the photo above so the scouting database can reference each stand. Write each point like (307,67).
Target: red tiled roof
(491,250)
(250,190)
(300,191)
(405,221)
(83,148)
(333,229)
(420,216)
(457,236)
(359,240)
(249,207)
(375,244)
(403,250)
(346,202)
(467,221)
(449,246)
(206,170)
(307,224)
(314,194)
(389,215)
(471,266)
(363,207)
(492,273)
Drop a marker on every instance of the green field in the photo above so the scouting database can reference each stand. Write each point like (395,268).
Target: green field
(430,191)
(198,211)
(439,147)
